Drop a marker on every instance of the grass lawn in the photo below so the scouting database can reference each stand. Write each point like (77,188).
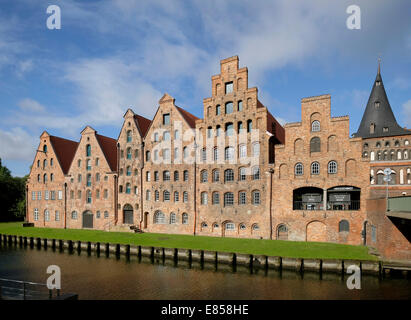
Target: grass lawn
(252,246)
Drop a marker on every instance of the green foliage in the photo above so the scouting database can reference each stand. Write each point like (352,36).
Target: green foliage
(12,195)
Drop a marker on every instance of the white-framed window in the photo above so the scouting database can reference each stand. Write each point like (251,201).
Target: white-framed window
(256,173)
(36,214)
(204,198)
(185,175)
(98,215)
(256,149)
(242,174)
(46,195)
(228,199)
(332,167)
(184,218)
(166,195)
(166,175)
(105,214)
(52,195)
(299,169)
(176,196)
(315,168)
(148,195)
(60,195)
(173,218)
(156,195)
(315,126)
(74,215)
(204,154)
(38,195)
(204,176)
(230,226)
(229,108)
(57,216)
(229,87)
(242,197)
(229,153)
(229,175)
(185,196)
(166,154)
(242,151)
(215,153)
(33,195)
(256,198)
(216,198)
(159,218)
(216,175)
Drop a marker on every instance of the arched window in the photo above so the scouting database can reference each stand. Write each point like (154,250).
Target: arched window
(184,218)
(88,150)
(256,149)
(315,126)
(315,144)
(240,105)
(51,177)
(166,136)
(256,173)
(242,174)
(128,188)
(156,195)
(159,217)
(215,153)
(176,196)
(230,226)
(216,175)
(45,148)
(166,175)
(218,131)
(176,176)
(242,151)
(242,197)
(216,198)
(36,214)
(229,153)
(44,164)
(185,175)
(156,139)
(185,196)
(332,167)
(147,155)
(228,199)
(315,168)
(166,195)
(45,178)
(74,215)
(204,198)
(217,110)
(204,154)
(204,176)
(343,226)
(229,129)
(129,136)
(256,197)
(38,178)
(128,171)
(88,180)
(185,152)
(88,195)
(229,107)
(229,175)
(148,195)
(299,169)
(129,153)
(173,218)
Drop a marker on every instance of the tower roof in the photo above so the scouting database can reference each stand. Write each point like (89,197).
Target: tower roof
(378,119)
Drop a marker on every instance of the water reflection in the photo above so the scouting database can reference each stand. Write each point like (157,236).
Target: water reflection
(103,276)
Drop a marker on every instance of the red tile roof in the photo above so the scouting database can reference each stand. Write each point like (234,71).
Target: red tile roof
(65,151)
(143,124)
(190,118)
(109,148)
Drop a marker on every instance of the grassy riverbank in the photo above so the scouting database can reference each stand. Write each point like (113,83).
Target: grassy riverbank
(292,249)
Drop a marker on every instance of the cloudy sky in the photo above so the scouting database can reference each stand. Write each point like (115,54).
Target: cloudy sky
(111,55)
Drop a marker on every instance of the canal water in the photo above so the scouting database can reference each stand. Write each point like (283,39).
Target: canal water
(93,277)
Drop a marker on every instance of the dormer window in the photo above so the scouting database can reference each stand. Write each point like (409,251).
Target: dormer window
(372,128)
(378,83)
(377,104)
(228,87)
(385,129)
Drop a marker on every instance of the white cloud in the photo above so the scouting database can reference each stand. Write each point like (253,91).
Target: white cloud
(17,144)
(406,110)
(30,105)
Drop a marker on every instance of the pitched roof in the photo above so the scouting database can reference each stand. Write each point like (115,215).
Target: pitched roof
(65,151)
(143,124)
(109,148)
(190,118)
(379,113)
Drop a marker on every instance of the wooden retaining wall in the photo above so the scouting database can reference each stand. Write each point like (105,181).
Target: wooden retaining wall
(197,256)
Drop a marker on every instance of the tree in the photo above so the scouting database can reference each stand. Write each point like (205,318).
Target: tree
(12,195)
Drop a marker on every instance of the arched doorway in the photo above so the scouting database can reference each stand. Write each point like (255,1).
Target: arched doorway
(128,214)
(282,232)
(88,220)
(145,220)
(316,231)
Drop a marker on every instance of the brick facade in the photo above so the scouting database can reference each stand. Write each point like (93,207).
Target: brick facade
(237,172)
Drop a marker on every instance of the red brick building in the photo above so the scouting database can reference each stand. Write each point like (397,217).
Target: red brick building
(237,172)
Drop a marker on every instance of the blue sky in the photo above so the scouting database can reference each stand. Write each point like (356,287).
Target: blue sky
(111,55)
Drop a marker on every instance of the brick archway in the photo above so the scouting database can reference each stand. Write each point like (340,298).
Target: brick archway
(316,231)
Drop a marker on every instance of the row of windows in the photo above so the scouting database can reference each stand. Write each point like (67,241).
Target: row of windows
(46,215)
(167,175)
(127,189)
(88,163)
(48,195)
(228,107)
(45,163)
(229,153)
(315,168)
(229,198)
(166,196)
(282,229)
(229,175)
(388,155)
(230,226)
(387,144)
(160,218)
(88,178)
(129,153)
(45,178)
(89,194)
(229,129)
(74,215)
